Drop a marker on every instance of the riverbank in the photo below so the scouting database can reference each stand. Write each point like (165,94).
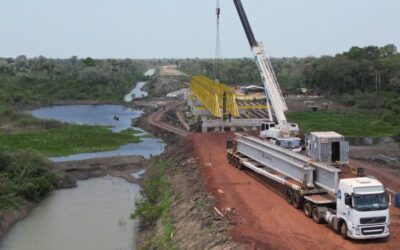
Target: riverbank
(10,217)
(191,222)
(68,173)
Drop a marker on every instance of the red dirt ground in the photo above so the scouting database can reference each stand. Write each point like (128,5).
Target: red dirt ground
(263,219)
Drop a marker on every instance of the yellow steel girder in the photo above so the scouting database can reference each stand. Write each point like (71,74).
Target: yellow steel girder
(211,95)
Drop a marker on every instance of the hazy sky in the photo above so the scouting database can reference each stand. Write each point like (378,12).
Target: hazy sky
(186,28)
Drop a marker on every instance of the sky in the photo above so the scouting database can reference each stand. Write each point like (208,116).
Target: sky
(187,28)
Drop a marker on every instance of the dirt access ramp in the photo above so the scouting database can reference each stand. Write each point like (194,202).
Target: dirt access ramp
(262,219)
(170,70)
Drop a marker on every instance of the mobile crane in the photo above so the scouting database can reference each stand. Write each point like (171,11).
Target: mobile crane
(281,133)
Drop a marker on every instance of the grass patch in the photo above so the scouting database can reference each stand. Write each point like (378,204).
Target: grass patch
(347,123)
(131,131)
(147,136)
(67,139)
(155,206)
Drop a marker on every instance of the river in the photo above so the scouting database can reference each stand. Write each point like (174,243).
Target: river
(93,216)
(102,115)
(136,93)
(96,214)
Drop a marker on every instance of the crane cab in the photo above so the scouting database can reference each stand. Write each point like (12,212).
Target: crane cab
(273,130)
(269,130)
(281,137)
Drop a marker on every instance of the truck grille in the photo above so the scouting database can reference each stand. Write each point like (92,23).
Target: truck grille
(372,230)
(373,220)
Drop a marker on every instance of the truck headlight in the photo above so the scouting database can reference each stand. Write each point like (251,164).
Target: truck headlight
(386,229)
(357,230)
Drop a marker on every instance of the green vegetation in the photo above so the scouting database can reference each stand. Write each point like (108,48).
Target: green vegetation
(41,80)
(155,206)
(347,123)
(28,82)
(53,138)
(66,140)
(151,91)
(23,176)
(368,69)
(231,71)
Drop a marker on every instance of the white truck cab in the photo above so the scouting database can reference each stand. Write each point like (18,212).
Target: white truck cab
(362,208)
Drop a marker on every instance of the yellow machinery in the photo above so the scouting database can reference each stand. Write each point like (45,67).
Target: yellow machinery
(214,96)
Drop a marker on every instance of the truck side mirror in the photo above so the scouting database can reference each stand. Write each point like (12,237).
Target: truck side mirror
(388,198)
(348,201)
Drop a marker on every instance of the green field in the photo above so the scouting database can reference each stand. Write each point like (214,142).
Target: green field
(66,140)
(347,123)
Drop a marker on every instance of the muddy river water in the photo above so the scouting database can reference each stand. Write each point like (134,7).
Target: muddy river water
(96,214)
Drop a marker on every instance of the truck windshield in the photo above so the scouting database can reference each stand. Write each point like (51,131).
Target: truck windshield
(371,202)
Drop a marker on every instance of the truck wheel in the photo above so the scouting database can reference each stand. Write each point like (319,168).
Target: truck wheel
(240,166)
(297,200)
(289,195)
(235,162)
(307,208)
(315,216)
(343,230)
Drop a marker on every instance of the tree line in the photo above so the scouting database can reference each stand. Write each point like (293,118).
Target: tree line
(41,80)
(369,69)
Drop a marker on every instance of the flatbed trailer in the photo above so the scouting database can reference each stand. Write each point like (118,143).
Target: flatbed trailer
(323,196)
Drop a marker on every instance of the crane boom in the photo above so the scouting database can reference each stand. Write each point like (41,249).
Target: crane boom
(246,25)
(273,91)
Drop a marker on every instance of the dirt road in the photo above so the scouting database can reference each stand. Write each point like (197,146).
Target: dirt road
(263,219)
(170,70)
(155,119)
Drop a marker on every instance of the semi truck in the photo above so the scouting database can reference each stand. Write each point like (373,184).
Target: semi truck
(319,182)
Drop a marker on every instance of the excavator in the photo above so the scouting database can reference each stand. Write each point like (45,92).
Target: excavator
(280,131)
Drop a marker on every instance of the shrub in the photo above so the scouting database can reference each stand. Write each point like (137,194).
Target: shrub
(23,175)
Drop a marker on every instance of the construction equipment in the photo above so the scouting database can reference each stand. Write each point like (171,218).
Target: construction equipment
(273,93)
(218,98)
(355,207)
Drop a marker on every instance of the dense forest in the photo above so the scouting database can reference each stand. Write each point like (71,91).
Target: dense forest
(368,69)
(42,80)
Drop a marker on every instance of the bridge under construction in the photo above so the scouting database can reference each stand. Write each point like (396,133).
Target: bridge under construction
(220,107)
